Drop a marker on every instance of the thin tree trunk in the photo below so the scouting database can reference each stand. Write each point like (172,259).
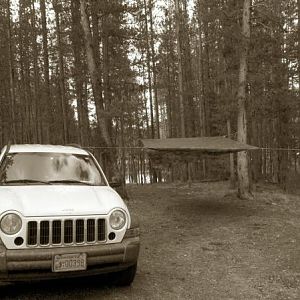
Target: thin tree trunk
(232,180)
(207,87)
(200,77)
(106,65)
(149,73)
(95,8)
(24,73)
(123,156)
(48,103)
(36,94)
(180,73)
(11,77)
(144,75)
(242,160)
(188,74)
(64,106)
(168,103)
(154,71)
(298,5)
(202,110)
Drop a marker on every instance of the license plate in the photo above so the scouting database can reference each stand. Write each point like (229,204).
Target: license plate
(69,262)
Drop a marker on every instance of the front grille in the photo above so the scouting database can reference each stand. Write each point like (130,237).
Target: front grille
(65,232)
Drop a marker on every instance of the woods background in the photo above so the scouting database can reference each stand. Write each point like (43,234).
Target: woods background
(107,73)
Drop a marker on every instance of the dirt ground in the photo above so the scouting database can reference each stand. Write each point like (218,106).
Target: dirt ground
(202,243)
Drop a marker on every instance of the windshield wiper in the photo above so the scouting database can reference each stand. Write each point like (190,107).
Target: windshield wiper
(70,181)
(26,181)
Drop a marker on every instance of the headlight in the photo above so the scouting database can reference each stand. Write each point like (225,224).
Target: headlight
(11,224)
(117,219)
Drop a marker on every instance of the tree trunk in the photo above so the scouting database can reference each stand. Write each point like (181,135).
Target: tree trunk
(24,66)
(188,74)
(298,5)
(180,73)
(242,161)
(232,180)
(154,71)
(94,74)
(36,94)
(144,75)
(112,170)
(11,78)
(106,62)
(47,114)
(168,103)
(207,83)
(79,76)
(200,76)
(200,86)
(64,106)
(148,58)
(123,157)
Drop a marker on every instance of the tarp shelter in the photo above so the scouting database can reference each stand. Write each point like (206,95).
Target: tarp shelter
(206,145)
(166,151)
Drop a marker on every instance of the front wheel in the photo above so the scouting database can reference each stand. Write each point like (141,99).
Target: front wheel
(126,277)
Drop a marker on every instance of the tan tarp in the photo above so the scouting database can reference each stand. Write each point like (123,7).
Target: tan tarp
(201,145)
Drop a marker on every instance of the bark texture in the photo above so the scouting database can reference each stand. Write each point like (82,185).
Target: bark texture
(242,159)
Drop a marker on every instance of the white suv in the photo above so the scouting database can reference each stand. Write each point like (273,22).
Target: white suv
(60,218)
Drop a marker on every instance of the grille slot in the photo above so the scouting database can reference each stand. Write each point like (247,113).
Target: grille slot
(101,230)
(32,233)
(44,233)
(56,232)
(90,230)
(79,231)
(68,232)
(65,232)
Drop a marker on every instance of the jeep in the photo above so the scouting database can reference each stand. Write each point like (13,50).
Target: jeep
(60,218)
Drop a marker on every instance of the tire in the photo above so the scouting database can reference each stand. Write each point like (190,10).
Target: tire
(126,277)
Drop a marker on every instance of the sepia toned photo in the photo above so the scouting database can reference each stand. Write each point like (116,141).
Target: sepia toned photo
(150,149)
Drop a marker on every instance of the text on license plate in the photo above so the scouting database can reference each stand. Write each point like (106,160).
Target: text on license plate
(69,262)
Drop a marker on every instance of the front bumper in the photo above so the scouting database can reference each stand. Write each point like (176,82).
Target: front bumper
(36,264)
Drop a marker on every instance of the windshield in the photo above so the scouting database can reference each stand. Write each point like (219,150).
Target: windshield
(49,168)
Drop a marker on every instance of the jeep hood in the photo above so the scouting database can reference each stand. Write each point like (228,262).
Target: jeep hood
(59,200)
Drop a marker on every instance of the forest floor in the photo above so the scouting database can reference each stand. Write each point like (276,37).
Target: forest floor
(202,243)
